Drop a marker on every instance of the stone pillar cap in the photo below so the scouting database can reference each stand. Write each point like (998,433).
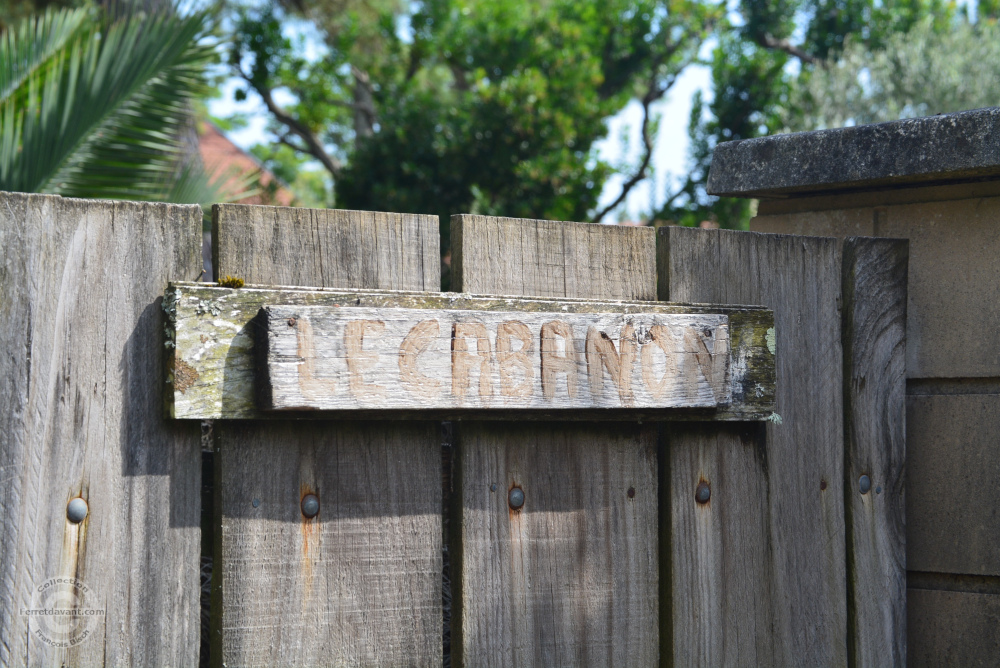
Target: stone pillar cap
(946,148)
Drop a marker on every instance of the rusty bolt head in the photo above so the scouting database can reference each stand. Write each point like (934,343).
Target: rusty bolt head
(516,498)
(864,484)
(703,493)
(76,510)
(291,322)
(310,505)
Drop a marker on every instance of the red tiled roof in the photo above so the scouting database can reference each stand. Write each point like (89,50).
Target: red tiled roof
(222,157)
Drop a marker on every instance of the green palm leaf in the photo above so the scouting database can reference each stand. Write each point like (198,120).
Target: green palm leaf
(27,47)
(99,114)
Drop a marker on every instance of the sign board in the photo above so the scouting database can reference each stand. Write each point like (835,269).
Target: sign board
(331,358)
(271,352)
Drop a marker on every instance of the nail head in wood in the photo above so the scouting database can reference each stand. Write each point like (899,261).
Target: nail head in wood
(865,484)
(704,493)
(76,510)
(310,505)
(516,498)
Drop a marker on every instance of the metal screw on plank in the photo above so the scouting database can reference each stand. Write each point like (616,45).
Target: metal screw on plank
(256,503)
(865,484)
(76,510)
(291,322)
(310,505)
(878,490)
(516,498)
(703,493)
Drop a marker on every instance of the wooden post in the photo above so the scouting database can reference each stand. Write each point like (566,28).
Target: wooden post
(767,547)
(570,577)
(875,272)
(81,417)
(359,583)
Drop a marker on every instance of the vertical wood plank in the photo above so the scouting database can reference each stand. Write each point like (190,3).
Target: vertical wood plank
(81,354)
(719,549)
(874,335)
(571,577)
(359,584)
(519,257)
(782,491)
(328,248)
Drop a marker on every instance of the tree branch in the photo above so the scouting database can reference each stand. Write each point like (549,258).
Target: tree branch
(680,191)
(287,141)
(654,93)
(364,104)
(769,42)
(313,146)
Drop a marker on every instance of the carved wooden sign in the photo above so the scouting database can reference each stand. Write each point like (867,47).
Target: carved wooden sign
(395,358)
(271,352)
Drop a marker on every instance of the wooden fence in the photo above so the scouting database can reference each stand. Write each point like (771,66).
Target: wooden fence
(642,536)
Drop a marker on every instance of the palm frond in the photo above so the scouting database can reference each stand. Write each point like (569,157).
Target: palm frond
(32,44)
(105,121)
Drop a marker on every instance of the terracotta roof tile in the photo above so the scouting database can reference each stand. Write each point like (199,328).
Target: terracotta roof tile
(221,156)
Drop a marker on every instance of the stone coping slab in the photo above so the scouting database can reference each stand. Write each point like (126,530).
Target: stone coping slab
(962,146)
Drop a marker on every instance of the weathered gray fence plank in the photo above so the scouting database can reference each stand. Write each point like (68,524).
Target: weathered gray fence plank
(81,343)
(328,247)
(799,462)
(571,577)
(513,256)
(360,583)
(212,371)
(718,549)
(874,335)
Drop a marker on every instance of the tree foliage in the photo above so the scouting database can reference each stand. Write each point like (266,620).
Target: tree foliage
(770,60)
(467,105)
(922,72)
(440,106)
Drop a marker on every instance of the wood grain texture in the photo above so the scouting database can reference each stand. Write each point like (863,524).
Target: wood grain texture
(953,251)
(211,371)
(357,585)
(801,460)
(324,358)
(719,551)
(360,584)
(874,337)
(571,578)
(952,273)
(81,355)
(952,500)
(327,247)
(514,256)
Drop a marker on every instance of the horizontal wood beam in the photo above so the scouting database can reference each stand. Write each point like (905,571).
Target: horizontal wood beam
(361,354)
